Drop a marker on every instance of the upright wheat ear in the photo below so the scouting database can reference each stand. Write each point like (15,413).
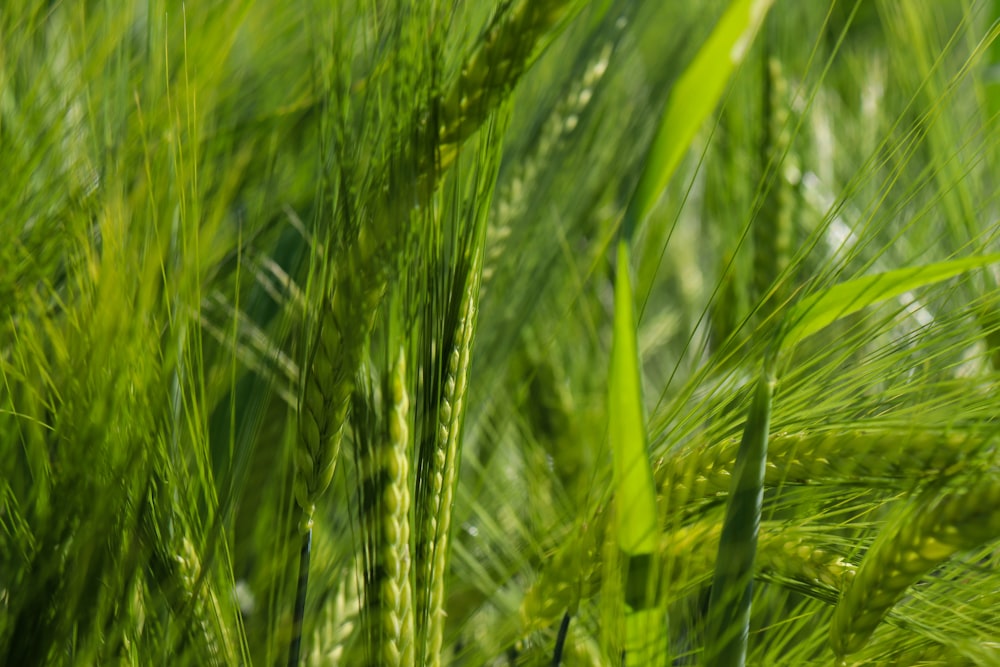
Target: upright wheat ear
(345,321)
(434,516)
(385,499)
(336,344)
(772,228)
(921,536)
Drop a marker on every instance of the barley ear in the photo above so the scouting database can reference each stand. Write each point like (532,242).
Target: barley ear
(698,472)
(190,595)
(512,196)
(451,414)
(336,344)
(385,508)
(793,555)
(921,536)
(772,227)
(503,53)
(434,516)
(346,316)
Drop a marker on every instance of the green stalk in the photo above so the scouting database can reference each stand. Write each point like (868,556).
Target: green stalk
(301,589)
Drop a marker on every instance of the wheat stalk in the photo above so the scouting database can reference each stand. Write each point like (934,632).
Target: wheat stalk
(924,534)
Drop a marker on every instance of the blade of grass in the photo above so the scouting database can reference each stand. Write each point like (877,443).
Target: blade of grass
(728,626)
(693,98)
(633,475)
(823,308)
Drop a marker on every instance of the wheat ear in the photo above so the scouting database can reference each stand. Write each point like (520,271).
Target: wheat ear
(688,556)
(335,348)
(771,229)
(504,51)
(385,507)
(923,535)
(698,472)
(441,466)
(511,199)
(190,596)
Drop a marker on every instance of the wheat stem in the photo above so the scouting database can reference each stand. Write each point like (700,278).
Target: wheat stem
(301,588)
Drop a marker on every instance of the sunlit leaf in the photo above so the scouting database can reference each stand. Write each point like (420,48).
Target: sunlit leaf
(823,308)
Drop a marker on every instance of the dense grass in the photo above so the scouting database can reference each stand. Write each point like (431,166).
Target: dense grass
(468,304)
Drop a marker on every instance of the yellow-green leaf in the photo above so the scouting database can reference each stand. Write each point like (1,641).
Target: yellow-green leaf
(633,476)
(823,308)
(692,99)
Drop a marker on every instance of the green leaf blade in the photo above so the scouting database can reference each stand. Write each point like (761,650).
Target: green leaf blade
(634,488)
(728,628)
(819,310)
(693,98)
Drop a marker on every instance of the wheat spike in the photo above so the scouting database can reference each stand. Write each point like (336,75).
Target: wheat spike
(792,555)
(772,227)
(335,624)
(700,472)
(385,506)
(697,472)
(503,53)
(785,551)
(511,199)
(190,596)
(688,556)
(452,411)
(435,516)
(344,322)
(923,535)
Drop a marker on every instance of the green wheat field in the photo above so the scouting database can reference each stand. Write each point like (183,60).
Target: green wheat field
(499,332)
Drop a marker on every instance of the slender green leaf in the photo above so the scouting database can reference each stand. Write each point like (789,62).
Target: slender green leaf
(818,310)
(632,471)
(633,478)
(729,608)
(693,98)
